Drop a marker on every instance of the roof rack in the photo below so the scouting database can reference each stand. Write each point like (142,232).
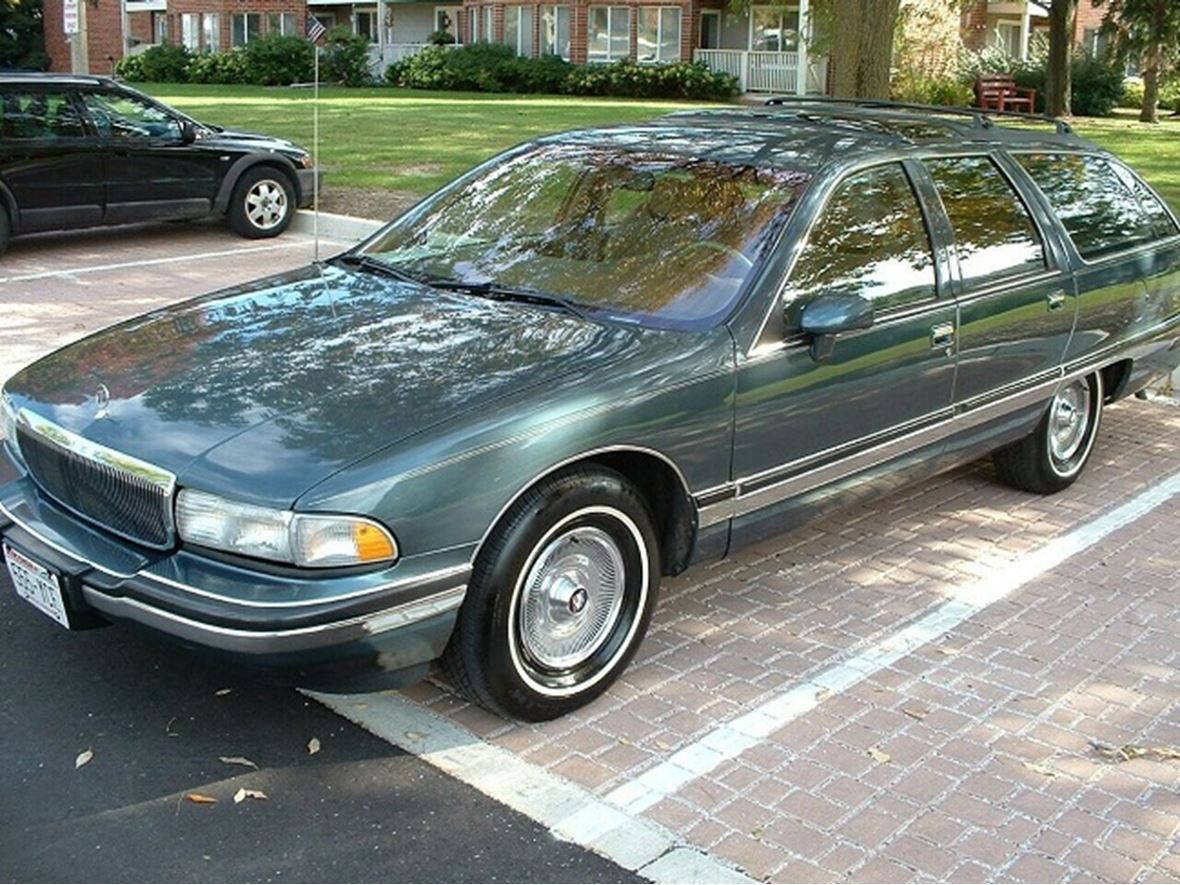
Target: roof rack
(980,118)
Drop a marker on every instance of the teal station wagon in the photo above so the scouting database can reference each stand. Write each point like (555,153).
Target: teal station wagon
(485,434)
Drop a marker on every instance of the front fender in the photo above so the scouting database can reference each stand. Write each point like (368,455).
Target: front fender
(249,161)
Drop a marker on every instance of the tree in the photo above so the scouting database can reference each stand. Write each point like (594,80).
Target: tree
(22,35)
(1149,29)
(859,35)
(1063,17)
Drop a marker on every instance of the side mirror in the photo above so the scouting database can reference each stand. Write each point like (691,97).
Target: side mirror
(188,132)
(826,316)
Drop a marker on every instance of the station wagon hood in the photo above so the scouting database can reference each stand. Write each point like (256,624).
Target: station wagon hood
(263,390)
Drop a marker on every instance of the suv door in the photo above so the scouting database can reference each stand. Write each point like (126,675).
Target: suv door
(151,172)
(48,161)
(882,392)
(1016,300)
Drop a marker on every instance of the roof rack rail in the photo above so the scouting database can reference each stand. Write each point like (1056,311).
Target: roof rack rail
(982,118)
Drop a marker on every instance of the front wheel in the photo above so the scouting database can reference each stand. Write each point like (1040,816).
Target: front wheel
(1052,456)
(560,597)
(262,204)
(5,230)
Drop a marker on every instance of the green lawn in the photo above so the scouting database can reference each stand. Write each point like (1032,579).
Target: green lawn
(412,141)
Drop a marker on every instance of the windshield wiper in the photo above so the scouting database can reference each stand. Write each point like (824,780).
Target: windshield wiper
(497,292)
(376,265)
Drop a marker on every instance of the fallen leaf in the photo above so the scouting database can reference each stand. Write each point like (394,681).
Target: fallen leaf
(1040,769)
(199,798)
(313,746)
(1127,752)
(414,735)
(880,755)
(237,760)
(1172,752)
(663,745)
(83,757)
(914,713)
(243,794)
(222,692)
(822,693)
(948,650)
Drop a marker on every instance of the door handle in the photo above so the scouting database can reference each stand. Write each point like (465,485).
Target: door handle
(942,336)
(1056,299)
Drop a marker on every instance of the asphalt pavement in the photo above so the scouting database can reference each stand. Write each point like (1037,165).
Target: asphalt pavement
(158,724)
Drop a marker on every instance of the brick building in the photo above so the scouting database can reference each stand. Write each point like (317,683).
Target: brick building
(1010,24)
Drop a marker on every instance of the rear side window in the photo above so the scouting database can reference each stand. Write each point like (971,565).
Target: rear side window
(995,237)
(38,115)
(870,241)
(1098,208)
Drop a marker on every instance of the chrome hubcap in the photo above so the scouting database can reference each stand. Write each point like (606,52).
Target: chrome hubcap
(266,204)
(1069,417)
(572,598)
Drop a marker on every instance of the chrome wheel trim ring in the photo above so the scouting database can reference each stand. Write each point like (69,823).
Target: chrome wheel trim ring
(1091,390)
(572,597)
(1069,420)
(518,655)
(266,204)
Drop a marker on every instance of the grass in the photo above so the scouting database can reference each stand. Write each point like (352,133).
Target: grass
(412,141)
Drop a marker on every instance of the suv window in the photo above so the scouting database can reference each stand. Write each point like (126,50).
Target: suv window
(870,240)
(1161,219)
(1098,209)
(38,115)
(124,116)
(995,236)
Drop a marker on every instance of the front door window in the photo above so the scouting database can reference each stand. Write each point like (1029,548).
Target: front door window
(126,117)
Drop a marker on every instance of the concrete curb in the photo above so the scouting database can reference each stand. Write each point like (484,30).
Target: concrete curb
(341,228)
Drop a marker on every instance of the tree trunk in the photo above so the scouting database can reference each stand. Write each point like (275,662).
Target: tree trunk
(1149,113)
(1062,24)
(862,47)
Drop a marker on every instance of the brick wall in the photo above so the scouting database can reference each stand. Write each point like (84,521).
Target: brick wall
(226,9)
(973,25)
(104,26)
(1089,16)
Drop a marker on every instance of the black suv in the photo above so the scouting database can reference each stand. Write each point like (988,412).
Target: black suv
(80,151)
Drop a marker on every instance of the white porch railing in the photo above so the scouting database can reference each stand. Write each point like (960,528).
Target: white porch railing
(766,71)
(381,57)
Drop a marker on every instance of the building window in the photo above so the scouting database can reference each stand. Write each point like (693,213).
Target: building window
(190,31)
(247,26)
(364,24)
(658,34)
(489,32)
(282,23)
(608,33)
(446,19)
(211,31)
(518,29)
(160,22)
(472,25)
(555,31)
(774,30)
(1007,38)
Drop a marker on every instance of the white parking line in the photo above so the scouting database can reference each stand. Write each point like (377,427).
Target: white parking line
(612,825)
(146,262)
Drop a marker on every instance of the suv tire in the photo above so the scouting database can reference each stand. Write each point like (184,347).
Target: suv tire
(263,203)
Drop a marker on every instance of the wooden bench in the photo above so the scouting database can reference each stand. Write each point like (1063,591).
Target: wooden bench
(999,92)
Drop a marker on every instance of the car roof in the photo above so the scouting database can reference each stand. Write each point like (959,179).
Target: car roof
(25,78)
(807,134)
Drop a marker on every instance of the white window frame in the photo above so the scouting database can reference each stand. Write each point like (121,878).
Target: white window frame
(456,15)
(288,24)
(552,47)
(782,12)
(611,13)
(245,17)
(371,12)
(190,31)
(1008,38)
(714,14)
(211,32)
(660,27)
(489,25)
(521,36)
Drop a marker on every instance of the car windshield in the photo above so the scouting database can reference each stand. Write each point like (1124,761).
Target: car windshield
(635,236)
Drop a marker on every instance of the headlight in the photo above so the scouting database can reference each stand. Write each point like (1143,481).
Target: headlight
(306,162)
(310,540)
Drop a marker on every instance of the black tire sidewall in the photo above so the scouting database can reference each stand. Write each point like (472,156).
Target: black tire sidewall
(238,218)
(498,586)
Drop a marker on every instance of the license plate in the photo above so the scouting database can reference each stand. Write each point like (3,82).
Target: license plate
(37,584)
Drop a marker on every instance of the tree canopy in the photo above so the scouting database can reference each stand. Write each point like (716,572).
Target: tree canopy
(1150,31)
(22,36)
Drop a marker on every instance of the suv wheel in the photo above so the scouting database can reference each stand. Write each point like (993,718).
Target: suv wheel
(262,204)
(560,597)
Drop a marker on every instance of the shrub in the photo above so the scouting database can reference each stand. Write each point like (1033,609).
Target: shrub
(1170,95)
(929,90)
(164,63)
(1096,81)
(440,38)
(627,79)
(345,58)
(278,60)
(1097,86)
(219,67)
(1132,95)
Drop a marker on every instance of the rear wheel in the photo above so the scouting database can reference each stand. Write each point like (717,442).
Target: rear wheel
(560,597)
(262,204)
(5,230)
(1051,457)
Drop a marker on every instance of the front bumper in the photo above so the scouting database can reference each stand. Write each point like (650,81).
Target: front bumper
(391,622)
(307,185)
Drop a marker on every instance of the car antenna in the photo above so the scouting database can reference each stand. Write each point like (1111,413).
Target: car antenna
(315,30)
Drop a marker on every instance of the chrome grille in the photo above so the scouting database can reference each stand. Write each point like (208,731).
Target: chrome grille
(121,494)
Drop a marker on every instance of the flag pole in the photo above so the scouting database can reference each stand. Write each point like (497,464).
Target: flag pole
(315,147)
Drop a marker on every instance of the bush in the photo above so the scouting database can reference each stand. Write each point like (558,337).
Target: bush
(219,67)
(490,67)
(277,60)
(441,38)
(164,63)
(345,58)
(928,90)
(1170,96)
(1097,81)
(1097,86)
(1132,95)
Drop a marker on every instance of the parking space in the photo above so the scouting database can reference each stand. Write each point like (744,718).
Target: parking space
(958,681)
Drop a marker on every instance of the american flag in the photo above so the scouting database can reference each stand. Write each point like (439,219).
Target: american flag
(315,29)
